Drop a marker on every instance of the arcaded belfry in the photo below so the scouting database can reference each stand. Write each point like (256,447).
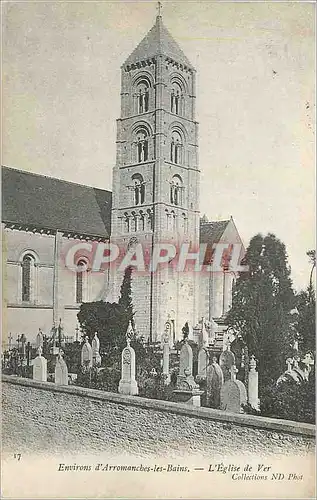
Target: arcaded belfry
(156,187)
(154,199)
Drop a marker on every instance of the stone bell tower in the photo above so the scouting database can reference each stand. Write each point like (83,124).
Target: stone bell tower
(156,177)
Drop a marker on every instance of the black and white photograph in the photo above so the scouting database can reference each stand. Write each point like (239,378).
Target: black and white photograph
(158,249)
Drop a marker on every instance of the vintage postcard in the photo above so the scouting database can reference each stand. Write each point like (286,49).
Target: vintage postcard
(158,249)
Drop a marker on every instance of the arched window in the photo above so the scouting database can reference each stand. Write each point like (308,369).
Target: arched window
(177,99)
(176,148)
(142,96)
(139,189)
(176,190)
(81,278)
(142,142)
(27,277)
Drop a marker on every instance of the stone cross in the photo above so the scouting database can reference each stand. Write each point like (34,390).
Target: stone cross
(61,370)
(128,384)
(39,338)
(129,334)
(95,350)
(86,354)
(253,384)
(23,342)
(40,367)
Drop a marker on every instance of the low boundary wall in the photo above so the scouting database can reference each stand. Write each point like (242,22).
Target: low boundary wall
(44,418)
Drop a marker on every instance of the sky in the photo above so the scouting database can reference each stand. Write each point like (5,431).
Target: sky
(255,67)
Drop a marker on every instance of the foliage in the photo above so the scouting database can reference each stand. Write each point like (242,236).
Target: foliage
(72,356)
(290,400)
(109,320)
(261,305)
(125,299)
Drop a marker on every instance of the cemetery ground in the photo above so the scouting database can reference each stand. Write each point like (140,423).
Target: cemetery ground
(159,399)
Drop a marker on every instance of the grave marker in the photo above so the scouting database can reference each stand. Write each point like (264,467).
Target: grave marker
(86,354)
(233,394)
(214,382)
(61,370)
(253,384)
(40,367)
(128,384)
(95,350)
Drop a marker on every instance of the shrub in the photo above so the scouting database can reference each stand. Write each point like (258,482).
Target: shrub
(290,400)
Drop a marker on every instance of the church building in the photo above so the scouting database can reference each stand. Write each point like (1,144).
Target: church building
(154,199)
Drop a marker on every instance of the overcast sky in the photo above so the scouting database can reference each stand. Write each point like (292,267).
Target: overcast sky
(255,102)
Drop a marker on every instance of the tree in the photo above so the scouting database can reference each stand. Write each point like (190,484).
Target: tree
(306,318)
(125,299)
(312,257)
(262,301)
(109,320)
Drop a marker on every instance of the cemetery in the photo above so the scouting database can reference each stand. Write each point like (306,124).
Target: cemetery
(153,388)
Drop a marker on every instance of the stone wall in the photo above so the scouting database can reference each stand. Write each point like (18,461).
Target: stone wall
(41,417)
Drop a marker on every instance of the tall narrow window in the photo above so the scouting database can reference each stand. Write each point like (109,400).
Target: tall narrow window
(142,95)
(138,189)
(142,146)
(176,148)
(80,281)
(176,190)
(176,99)
(27,266)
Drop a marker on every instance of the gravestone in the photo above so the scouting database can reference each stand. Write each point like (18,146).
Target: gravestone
(61,370)
(86,355)
(226,362)
(166,358)
(186,359)
(128,384)
(233,394)
(187,391)
(203,360)
(253,384)
(40,367)
(95,350)
(214,382)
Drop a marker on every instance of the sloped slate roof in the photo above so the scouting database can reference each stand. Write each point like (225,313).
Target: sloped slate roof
(211,232)
(54,204)
(158,41)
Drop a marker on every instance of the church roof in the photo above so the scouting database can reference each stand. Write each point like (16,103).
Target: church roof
(211,232)
(158,41)
(55,204)
(49,203)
